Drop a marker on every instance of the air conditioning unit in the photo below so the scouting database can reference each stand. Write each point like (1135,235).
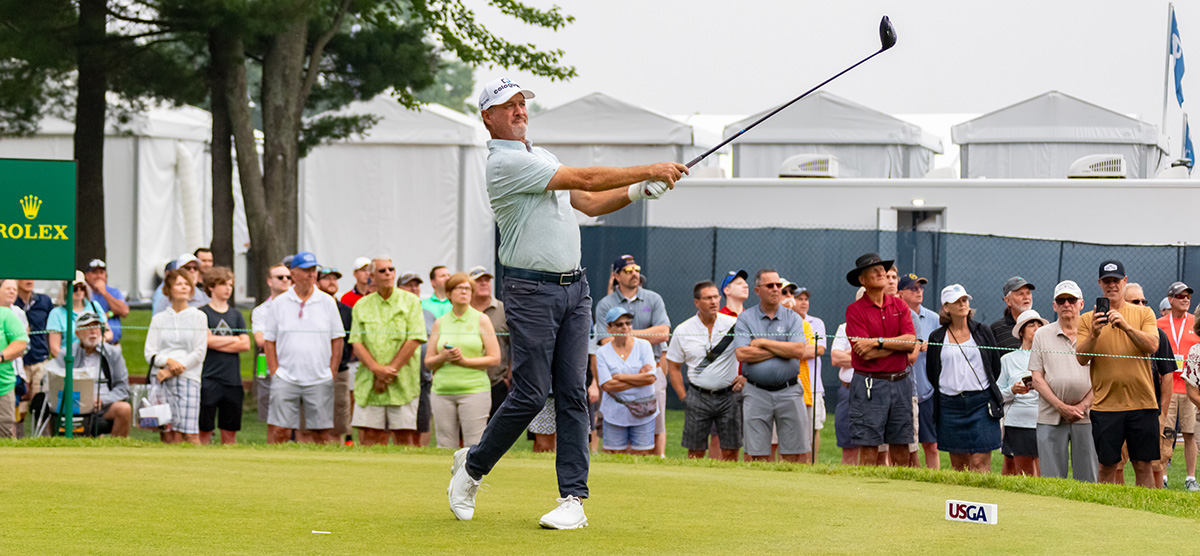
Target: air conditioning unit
(809,166)
(1098,166)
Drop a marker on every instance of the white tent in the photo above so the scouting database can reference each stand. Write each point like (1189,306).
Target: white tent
(1040,137)
(867,143)
(413,188)
(599,130)
(157,188)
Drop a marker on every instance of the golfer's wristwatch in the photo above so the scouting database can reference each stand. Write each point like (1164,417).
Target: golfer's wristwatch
(880,340)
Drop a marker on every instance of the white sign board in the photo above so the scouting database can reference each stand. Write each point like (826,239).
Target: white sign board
(972,512)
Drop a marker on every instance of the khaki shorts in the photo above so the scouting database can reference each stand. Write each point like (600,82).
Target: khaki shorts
(35,373)
(387,417)
(1183,407)
(819,414)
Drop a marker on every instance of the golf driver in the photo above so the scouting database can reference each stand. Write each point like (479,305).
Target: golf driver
(887,39)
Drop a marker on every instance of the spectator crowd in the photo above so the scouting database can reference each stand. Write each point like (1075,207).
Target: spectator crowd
(1080,394)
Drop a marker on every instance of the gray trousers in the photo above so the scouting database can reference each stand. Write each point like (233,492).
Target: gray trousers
(1053,442)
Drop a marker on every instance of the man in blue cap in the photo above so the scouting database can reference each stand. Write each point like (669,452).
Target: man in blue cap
(303,344)
(546,296)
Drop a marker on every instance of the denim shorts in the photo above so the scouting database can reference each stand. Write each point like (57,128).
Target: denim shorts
(637,437)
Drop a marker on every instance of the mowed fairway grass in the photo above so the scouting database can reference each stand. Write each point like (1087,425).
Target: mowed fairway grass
(123,497)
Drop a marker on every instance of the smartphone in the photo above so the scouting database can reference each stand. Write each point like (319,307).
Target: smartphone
(1102,305)
(1028,381)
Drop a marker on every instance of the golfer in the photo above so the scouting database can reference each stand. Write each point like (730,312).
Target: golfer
(545,293)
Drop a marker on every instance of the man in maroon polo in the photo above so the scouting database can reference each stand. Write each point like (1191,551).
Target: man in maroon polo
(881,331)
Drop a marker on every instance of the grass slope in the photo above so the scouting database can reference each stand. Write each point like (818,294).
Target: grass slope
(170,500)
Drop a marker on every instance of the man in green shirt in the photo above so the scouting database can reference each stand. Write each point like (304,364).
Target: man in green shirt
(387,329)
(438,303)
(14,338)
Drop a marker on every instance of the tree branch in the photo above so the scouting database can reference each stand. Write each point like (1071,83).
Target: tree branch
(314,59)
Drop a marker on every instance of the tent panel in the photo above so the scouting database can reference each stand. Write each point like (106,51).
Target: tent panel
(600,119)
(754,160)
(1048,160)
(364,200)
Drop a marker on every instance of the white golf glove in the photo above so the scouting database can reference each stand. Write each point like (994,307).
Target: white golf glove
(648,189)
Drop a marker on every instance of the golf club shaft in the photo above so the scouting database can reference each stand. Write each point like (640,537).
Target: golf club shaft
(697,160)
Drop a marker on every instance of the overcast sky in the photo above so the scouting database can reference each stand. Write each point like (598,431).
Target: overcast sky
(722,57)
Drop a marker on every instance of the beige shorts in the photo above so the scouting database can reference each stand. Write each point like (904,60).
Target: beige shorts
(1183,407)
(819,413)
(386,417)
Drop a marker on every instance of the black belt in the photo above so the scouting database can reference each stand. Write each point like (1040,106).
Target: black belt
(775,387)
(890,377)
(721,392)
(560,278)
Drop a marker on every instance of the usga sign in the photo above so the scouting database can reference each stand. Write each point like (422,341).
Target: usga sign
(971,512)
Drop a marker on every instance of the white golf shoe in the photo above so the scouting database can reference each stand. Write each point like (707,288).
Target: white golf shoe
(462,489)
(568,515)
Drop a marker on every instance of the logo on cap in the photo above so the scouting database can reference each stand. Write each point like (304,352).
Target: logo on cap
(1110,267)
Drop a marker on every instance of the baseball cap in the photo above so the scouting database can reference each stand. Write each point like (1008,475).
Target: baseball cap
(615,313)
(185,259)
(909,279)
(409,276)
(1025,317)
(1164,304)
(327,270)
(87,319)
(1068,287)
(96,263)
(478,271)
(1178,288)
(622,262)
(78,279)
(1112,269)
(361,262)
(733,275)
(1015,283)
(787,284)
(303,259)
(802,289)
(954,292)
(498,91)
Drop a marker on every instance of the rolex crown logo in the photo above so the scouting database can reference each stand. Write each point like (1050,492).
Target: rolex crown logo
(30,205)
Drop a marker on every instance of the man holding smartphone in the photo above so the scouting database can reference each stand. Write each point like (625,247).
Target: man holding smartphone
(1116,339)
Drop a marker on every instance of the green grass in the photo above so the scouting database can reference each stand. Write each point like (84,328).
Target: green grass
(125,497)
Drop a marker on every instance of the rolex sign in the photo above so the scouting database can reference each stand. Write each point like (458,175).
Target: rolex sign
(37,219)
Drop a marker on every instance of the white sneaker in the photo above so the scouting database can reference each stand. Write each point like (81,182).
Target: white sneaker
(462,489)
(1191,485)
(568,515)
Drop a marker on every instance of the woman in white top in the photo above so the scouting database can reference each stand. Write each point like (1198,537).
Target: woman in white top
(176,344)
(1020,400)
(626,372)
(963,363)
(839,355)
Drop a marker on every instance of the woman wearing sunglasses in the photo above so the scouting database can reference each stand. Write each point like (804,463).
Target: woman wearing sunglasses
(81,302)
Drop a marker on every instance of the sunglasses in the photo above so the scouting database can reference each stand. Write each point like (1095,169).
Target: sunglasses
(79,289)
(1138,301)
(772,285)
(1070,300)
(1183,296)
(385,269)
(284,277)
(630,269)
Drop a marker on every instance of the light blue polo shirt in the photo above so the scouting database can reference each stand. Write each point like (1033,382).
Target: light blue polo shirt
(785,326)
(924,323)
(538,230)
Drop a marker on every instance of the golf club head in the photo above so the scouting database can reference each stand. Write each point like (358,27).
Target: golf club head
(887,34)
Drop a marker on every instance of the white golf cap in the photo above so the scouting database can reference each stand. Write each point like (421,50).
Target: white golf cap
(1068,287)
(361,262)
(1025,317)
(954,292)
(185,259)
(498,91)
